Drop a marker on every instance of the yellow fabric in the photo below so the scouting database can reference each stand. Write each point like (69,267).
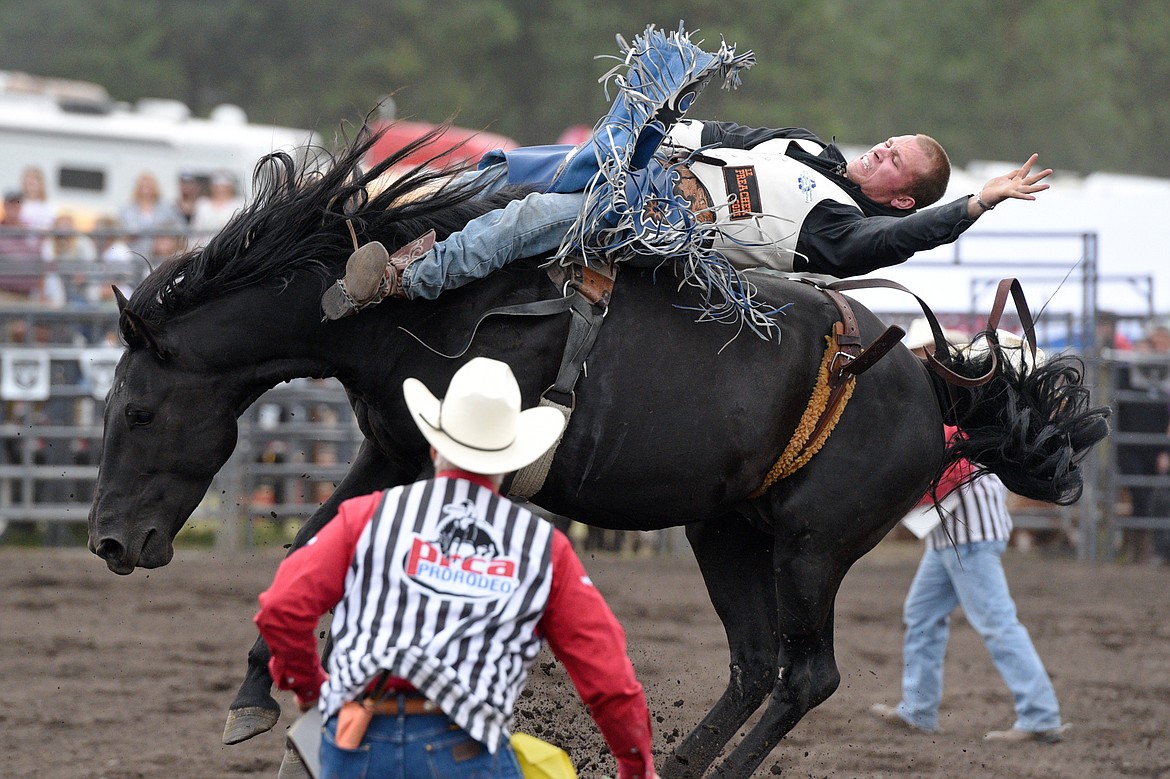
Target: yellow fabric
(540,759)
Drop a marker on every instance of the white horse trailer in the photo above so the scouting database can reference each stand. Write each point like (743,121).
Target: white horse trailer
(92,149)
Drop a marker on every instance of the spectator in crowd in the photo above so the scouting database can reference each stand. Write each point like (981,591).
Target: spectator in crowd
(19,249)
(213,211)
(113,246)
(190,190)
(115,251)
(51,291)
(19,239)
(1160,507)
(1143,406)
(67,243)
(37,211)
(1108,336)
(418,652)
(166,245)
(147,214)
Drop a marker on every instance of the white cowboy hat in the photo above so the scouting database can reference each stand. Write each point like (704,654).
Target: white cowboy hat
(919,335)
(1015,347)
(479,426)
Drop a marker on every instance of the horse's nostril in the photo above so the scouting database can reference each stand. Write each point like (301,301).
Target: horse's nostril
(109,550)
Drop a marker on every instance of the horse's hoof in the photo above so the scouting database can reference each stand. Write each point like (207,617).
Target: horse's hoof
(244,723)
(292,767)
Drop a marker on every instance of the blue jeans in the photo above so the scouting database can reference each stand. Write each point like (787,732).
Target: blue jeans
(523,228)
(419,746)
(975,580)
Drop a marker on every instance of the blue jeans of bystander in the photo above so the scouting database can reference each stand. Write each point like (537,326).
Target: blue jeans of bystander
(974,579)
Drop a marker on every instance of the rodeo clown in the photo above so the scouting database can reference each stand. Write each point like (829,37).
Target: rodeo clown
(442,593)
(717,197)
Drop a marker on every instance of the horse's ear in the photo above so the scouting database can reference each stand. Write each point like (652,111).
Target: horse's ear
(119,297)
(135,331)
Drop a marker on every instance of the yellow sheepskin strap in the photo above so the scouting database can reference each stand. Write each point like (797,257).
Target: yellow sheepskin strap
(800,448)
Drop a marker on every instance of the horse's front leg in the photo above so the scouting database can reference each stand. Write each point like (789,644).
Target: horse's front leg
(808,676)
(806,583)
(254,710)
(736,563)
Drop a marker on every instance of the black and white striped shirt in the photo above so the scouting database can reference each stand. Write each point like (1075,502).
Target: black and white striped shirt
(447,584)
(979,514)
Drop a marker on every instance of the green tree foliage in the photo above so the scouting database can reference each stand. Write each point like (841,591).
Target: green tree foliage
(1083,83)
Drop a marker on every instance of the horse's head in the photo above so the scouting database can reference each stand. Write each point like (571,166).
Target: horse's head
(168,429)
(209,331)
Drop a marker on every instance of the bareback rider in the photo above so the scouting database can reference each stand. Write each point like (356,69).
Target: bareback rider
(780,198)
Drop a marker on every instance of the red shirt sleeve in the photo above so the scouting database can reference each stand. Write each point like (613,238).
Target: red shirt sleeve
(309,582)
(586,637)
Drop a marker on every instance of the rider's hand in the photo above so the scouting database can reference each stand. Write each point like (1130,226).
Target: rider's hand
(1020,184)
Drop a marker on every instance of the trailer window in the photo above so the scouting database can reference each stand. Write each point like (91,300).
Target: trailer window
(81,178)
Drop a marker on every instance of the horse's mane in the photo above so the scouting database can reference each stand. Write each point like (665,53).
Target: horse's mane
(296,222)
(1030,425)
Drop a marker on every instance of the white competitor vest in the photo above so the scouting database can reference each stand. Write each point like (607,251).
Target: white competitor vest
(447,584)
(761,196)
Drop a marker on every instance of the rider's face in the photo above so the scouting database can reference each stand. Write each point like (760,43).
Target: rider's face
(886,172)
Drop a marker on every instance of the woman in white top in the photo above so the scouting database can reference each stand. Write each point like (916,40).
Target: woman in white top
(36,211)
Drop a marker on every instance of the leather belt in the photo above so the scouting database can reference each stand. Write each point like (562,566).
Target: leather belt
(413,704)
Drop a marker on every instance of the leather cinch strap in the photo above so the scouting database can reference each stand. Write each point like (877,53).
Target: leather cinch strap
(843,362)
(587,294)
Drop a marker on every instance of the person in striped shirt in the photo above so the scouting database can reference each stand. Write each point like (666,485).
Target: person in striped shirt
(962,566)
(443,593)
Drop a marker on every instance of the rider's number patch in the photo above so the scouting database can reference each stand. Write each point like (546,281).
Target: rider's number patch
(743,191)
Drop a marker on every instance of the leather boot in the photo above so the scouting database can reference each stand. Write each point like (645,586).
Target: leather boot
(371,276)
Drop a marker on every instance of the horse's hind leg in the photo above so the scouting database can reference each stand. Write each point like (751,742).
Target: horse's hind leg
(736,562)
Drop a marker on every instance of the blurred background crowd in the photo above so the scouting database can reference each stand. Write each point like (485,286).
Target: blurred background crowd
(50,255)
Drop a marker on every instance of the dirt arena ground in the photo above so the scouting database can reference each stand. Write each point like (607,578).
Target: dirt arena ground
(129,677)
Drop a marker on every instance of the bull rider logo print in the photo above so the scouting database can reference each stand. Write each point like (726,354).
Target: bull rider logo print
(463,559)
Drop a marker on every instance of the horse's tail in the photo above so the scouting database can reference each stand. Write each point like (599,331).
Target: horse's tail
(1031,425)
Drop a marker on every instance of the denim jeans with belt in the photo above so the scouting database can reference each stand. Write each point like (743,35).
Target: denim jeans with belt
(414,746)
(974,579)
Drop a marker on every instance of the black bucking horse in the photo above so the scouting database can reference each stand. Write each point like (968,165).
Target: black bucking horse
(675,422)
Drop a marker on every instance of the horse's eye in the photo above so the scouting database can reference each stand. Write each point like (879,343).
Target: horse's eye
(138,417)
